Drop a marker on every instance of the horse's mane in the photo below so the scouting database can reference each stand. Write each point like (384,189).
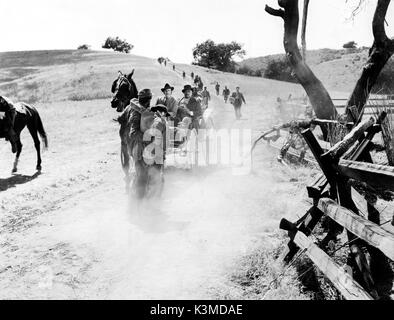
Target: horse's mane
(134,90)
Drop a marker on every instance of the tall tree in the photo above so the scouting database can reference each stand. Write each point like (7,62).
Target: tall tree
(317,93)
(218,56)
(380,52)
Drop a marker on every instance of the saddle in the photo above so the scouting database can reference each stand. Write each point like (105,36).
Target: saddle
(22,108)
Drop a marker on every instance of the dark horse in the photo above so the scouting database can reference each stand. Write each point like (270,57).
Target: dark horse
(124,89)
(26,116)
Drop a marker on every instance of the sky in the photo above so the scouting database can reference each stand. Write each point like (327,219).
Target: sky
(172,28)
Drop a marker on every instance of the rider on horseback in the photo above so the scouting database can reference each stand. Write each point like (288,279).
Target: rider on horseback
(130,121)
(8,108)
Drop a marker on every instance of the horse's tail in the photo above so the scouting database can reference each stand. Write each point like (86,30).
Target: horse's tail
(40,129)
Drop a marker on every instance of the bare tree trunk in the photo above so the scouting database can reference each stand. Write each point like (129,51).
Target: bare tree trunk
(380,52)
(318,95)
(303,29)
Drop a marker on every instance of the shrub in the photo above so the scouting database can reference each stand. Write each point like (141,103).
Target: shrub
(117,45)
(385,81)
(279,69)
(84,47)
(218,56)
(246,70)
(350,45)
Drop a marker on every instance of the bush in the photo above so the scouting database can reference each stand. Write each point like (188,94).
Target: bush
(246,70)
(385,81)
(350,45)
(84,47)
(217,56)
(279,69)
(117,45)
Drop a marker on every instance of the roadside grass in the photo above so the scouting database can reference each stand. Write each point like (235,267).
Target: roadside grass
(89,96)
(261,275)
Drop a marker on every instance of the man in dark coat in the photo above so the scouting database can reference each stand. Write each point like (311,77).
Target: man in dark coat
(168,100)
(217,87)
(226,94)
(132,133)
(237,98)
(206,97)
(189,106)
(183,74)
(130,121)
(7,107)
(200,85)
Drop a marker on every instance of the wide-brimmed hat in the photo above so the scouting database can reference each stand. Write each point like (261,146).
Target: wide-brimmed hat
(187,87)
(167,86)
(145,93)
(161,108)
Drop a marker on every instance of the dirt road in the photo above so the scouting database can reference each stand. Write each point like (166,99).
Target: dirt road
(71,232)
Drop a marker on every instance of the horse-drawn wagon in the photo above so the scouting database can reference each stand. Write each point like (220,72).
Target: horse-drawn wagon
(183,139)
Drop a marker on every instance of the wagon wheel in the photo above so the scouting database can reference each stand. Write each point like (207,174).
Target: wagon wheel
(209,123)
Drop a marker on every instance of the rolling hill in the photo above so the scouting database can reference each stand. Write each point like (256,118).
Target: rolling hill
(337,69)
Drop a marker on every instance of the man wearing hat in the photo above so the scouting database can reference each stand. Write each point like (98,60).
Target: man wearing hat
(206,97)
(130,122)
(217,88)
(226,93)
(237,99)
(189,106)
(168,100)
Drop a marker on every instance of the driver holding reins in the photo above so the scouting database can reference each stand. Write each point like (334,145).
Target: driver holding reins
(189,106)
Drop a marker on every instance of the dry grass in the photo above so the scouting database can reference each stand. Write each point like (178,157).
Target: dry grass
(261,275)
(88,96)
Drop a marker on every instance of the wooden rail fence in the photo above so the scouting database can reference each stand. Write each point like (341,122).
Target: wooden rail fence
(347,161)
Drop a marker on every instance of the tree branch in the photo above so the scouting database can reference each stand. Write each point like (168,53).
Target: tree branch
(378,22)
(303,29)
(380,52)
(318,95)
(274,12)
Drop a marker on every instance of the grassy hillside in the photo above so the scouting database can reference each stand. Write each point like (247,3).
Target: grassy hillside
(337,69)
(45,76)
(77,75)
